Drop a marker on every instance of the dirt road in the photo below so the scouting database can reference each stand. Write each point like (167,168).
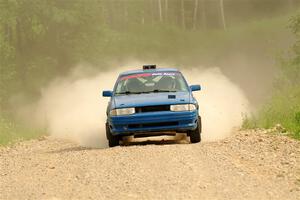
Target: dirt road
(247,165)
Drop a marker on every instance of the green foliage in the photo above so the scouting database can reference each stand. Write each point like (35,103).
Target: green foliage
(11,132)
(297,117)
(249,122)
(42,39)
(284,106)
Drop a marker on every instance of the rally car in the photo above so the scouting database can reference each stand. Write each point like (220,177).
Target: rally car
(152,102)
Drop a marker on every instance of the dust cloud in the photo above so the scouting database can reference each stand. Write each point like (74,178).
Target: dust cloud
(72,107)
(222,104)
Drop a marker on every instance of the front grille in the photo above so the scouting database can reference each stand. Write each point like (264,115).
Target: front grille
(149,125)
(152,108)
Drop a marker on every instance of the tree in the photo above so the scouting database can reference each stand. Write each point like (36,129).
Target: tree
(203,15)
(195,14)
(166,10)
(222,14)
(182,14)
(160,11)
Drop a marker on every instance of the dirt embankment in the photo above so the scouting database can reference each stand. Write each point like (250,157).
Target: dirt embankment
(247,165)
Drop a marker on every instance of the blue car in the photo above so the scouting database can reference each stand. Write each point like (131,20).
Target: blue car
(152,102)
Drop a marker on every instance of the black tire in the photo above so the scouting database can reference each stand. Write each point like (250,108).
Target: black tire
(112,140)
(195,135)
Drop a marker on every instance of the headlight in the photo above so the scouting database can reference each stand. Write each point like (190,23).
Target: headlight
(122,111)
(183,107)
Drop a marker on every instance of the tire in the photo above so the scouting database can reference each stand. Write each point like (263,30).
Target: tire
(112,140)
(195,135)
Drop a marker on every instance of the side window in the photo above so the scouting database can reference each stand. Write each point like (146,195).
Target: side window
(120,86)
(180,84)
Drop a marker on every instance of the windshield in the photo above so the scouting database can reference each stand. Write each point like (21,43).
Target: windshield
(151,82)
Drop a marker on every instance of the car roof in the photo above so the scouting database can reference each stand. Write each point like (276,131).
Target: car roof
(139,71)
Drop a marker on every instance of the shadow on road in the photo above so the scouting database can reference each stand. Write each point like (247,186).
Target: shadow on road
(163,140)
(130,141)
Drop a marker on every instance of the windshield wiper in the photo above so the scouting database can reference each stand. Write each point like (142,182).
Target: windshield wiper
(145,92)
(158,90)
(129,92)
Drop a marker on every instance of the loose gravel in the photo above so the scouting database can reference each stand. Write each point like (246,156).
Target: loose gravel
(247,165)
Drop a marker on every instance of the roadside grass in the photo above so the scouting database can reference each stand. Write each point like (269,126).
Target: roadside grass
(11,132)
(283,108)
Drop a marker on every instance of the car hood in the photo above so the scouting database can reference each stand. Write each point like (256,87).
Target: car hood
(151,99)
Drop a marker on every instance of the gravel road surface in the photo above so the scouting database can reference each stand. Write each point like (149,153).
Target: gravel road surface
(247,165)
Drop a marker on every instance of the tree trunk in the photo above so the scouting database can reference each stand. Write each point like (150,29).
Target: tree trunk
(19,52)
(166,9)
(103,13)
(195,14)
(223,14)
(7,27)
(160,11)
(109,14)
(151,12)
(125,13)
(182,14)
(203,14)
(291,4)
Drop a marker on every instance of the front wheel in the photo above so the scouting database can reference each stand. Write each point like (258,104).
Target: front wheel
(195,135)
(112,140)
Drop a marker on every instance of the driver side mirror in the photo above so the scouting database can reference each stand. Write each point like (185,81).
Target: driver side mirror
(107,93)
(195,88)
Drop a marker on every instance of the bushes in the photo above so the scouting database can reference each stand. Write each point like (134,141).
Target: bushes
(297,121)
(282,108)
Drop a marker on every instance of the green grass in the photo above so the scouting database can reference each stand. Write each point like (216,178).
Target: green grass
(283,108)
(11,132)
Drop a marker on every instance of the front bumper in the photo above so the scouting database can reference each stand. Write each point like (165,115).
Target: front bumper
(153,122)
